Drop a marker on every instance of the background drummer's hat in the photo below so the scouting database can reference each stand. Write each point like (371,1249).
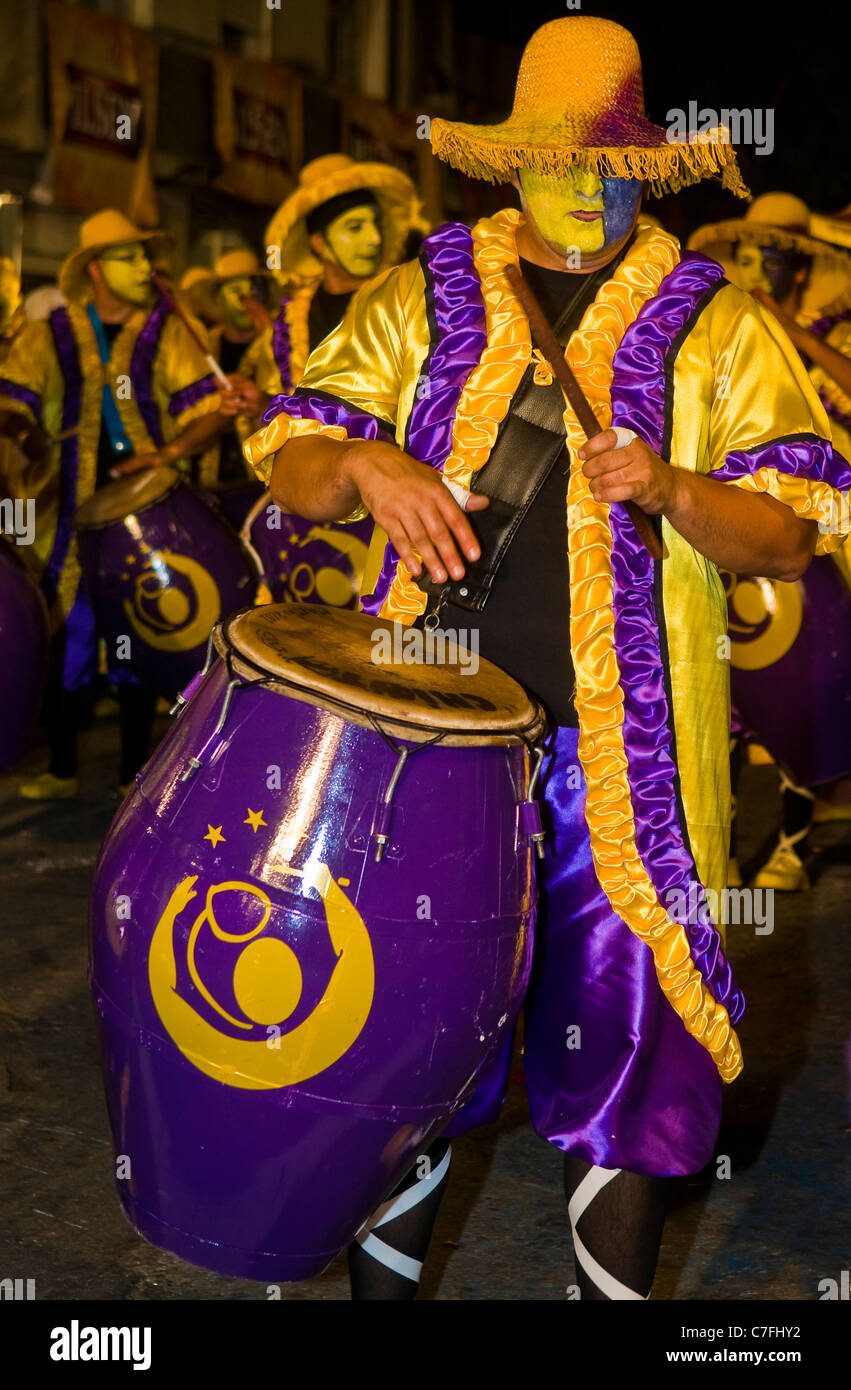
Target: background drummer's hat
(99,232)
(329,177)
(579,103)
(783,221)
(201,287)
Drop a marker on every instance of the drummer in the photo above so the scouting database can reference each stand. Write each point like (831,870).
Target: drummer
(113,376)
(805,283)
(413,390)
(344,222)
(235,300)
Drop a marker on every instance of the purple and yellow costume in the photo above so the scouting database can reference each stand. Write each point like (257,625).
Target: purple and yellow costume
(670,349)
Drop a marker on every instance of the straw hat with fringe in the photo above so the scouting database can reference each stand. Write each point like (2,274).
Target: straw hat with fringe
(201,287)
(579,103)
(783,221)
(98,233)
(326,178)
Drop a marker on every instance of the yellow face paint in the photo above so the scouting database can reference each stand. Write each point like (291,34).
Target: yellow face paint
(353,241)
(127,272)
(232,294)
(750,269)
(568,211)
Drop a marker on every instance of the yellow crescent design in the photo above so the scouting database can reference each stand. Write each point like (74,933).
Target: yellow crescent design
(171,638)
(754,603)
(316,1044)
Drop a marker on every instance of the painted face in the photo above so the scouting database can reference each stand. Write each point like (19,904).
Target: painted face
(768,268)
(353,240)
(127,272)
(581,211)
(232,293)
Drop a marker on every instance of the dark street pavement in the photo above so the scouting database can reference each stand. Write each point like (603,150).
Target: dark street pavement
(772,1230)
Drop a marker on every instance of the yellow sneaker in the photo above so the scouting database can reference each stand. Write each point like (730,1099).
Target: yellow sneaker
(826,811)
(46,787)
(784,871)
(104,707)
(758,756)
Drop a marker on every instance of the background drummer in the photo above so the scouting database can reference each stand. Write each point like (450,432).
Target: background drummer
(112,376)
(804,282)
(342,224)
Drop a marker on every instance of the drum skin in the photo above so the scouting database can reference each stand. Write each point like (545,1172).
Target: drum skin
(285,1023)
(790,653)
(24,641)
(162,577)
(308,561)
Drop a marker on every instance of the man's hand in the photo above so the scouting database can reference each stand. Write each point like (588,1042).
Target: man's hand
(244,398)
(631,473)
(163,458)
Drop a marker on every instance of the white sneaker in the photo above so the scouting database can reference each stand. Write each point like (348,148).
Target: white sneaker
(784,871)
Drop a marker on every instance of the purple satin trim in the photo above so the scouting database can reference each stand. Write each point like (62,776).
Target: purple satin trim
(799,457)
(456,349)
(142,367)
(68,358)
(639,403)
(822,326)
(190,395)
(16,392)
(631,1089)
(281,346)
(304,406)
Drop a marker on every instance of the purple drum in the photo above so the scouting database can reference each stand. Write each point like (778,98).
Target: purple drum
(233,500)
(311,929)
(161,569)
(790,653)
(24,639)
(307,561)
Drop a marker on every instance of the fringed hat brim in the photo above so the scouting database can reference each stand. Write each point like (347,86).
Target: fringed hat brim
(492,153)
(725,235)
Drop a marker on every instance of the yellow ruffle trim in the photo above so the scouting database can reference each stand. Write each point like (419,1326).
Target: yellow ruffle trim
(667,168)
(296,317)
(814,501)
(599,697)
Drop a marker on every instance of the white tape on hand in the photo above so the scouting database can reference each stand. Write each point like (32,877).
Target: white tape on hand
(624,436)
(461,495)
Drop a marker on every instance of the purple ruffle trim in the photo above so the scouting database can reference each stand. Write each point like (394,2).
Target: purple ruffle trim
(142,367)
(190,395)
(23,394)
(460,340)
(308,406)
(639,403)
(281,346)
(799,456)
(69,458)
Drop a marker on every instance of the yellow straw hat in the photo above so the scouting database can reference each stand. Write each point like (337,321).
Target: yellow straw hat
(579,102)
(326,178)
(97,233)
(784,221)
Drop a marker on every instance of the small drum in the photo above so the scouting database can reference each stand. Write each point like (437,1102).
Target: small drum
(790,653)
(307,561)
(311,928)
(161,569)
(24,640)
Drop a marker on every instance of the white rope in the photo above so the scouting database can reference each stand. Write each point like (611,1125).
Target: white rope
(593,1182)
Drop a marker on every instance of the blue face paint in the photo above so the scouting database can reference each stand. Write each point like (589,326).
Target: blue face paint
(621,198)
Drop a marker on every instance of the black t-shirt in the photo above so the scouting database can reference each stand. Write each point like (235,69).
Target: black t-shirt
(525,624)
(107,457)
(326,311)
(230,354)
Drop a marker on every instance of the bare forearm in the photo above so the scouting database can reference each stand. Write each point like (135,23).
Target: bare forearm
(197,435)
(744,532)
(310,477)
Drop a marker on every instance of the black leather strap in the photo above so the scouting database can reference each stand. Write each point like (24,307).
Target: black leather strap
(530,443)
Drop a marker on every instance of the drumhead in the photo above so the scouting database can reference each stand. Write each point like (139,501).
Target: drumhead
(347,663)
(134,493)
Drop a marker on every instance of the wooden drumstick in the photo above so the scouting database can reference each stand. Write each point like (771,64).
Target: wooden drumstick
(196,337)
(546,340)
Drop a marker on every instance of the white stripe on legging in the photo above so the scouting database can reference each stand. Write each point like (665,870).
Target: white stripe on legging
(593,1182)
(388,1211)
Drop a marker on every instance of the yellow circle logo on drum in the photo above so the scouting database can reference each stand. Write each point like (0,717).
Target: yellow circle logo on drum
(764,619)
(267,986)
(170,616)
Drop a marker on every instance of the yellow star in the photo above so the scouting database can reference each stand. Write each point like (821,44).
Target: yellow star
(129,559)
(214,834)
(254,819)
